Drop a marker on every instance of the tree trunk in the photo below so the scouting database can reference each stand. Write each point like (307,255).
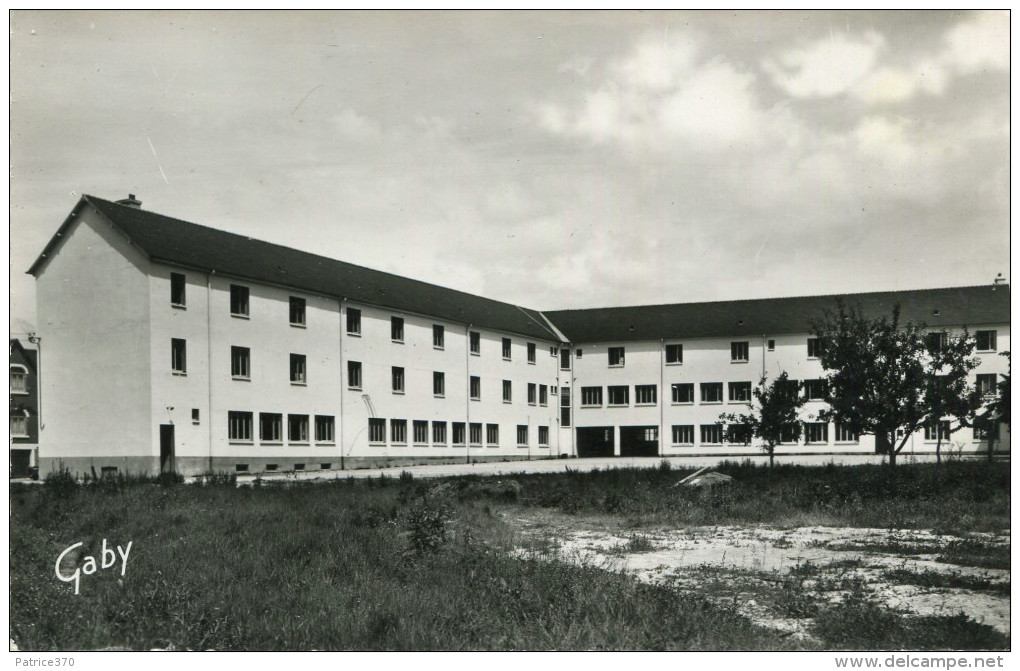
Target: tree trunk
(892,456)
(938,447)
(772,457)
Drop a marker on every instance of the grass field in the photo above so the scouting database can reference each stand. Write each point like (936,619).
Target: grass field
(399,564)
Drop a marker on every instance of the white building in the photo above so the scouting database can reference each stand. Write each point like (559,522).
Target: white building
(169,345)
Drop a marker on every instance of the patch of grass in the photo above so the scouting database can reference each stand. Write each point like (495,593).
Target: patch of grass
(911,496)
(858,624)
(938,579)
(329,566)
(969,552)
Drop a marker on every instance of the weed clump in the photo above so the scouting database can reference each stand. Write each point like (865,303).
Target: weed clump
(61,484)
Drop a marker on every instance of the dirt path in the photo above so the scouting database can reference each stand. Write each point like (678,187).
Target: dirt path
(779,577)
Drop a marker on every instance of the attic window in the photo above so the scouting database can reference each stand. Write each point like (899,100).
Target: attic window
(936,312)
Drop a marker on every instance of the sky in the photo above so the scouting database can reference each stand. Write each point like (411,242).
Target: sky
(550,159)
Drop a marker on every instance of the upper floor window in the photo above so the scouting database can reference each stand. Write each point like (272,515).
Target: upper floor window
(506,348)
(543,394)
(19,379)
(238,300)
(476,387)
(19,423)
(507,392)
(240,362)
(564,359)
(711,392)
(298,373)
(591,397)
(936,341)
(619,395)
(532,393)
(985,340)
(814,390)
(674,353)
(397,329)
(740,351)
(354,375)
(616,356)
(179,356)
(740,392)
(397,375)
(297,311)
(814,348)
(683,392)
(986,384)
(178,298)
(645,394)
(476,342)
(531,352)
(438,336)
(354,321)
(438,383)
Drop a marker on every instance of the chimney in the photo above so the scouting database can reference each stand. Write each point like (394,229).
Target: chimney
(130,201)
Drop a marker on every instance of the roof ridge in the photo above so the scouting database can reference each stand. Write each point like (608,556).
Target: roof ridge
(302,251)
(780,298)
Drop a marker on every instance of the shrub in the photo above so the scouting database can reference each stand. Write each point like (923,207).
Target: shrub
(61,483)
(168,479)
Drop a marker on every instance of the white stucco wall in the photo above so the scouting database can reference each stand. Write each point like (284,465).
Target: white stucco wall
(93,312)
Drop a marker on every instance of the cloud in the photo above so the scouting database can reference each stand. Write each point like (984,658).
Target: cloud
(666,91)
(980,43)
(827,67)
(898,84)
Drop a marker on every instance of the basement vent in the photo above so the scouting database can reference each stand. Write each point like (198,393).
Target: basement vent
(326,466)
(299,467)
(270,467)
(241,468)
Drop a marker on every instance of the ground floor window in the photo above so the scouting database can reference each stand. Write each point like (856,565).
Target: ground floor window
(270,427)
(421,432)
(522,434)
(239,425)
(492,435)
(398,431)
(683,434)
(816,432)
(439,433)
(323,429)
(711,434)
(377,430)
(543,436)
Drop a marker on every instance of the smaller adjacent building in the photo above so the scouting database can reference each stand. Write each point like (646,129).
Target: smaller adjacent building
(24,409)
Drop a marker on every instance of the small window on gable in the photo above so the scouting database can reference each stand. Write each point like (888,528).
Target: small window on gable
(674,354)
(194,415)
(616,356)
(739,351)
(297,311)
(772,345)
(814,348)
(178,298)
(438,336)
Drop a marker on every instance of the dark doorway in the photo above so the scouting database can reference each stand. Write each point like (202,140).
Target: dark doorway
(882,445)
(166,448)
(595,441)
(639,441)
(20,463)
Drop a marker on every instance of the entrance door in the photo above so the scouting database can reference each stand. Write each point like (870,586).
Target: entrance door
(595,441)
(639,441)
(21,461)
(166,448)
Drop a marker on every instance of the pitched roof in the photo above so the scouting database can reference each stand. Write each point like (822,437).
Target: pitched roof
(988,304)
(184,243)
